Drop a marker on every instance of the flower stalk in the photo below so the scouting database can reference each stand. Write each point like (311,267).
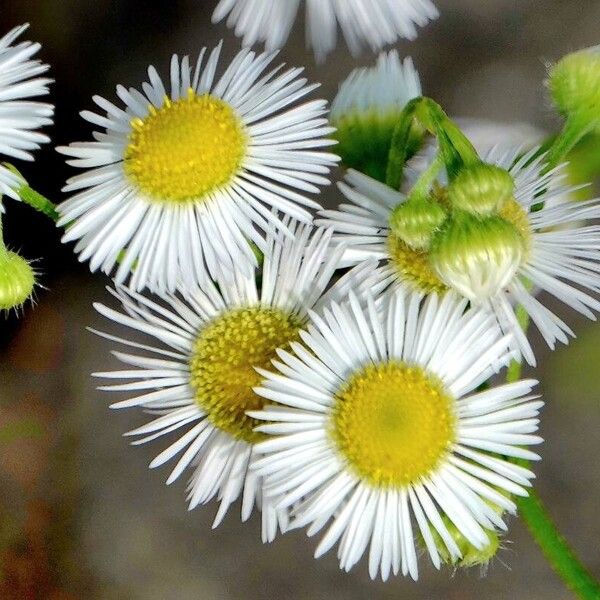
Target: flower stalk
(34,199)
(421,116)
(544,531)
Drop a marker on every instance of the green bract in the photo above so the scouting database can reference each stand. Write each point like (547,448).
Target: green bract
(365,139)
(470,555)
(481,189)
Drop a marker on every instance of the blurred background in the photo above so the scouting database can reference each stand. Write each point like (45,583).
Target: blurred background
(81,517)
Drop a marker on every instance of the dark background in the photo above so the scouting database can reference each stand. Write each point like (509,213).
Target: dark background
(80,515)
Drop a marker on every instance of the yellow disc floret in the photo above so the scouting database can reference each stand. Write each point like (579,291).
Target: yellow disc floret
(514,213)
(412,266)
(393,423)
(186,149)
(223,362)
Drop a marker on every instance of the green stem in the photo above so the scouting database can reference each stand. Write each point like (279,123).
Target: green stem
(423,115)
(39,202)
(33,198)
(541,526)
(556,549)
(515,367)
(407,128)
(574,130)
(3,248)
(422,186)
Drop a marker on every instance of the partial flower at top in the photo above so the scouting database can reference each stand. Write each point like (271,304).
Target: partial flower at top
(372,23)
(178,184)
(19,116)
(536,238)
(367,108)
(380,436)
(208,352)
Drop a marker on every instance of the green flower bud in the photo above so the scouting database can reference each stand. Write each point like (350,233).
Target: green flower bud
(416,221)
(481,189)
(574,83)
(477,256)
(17,280)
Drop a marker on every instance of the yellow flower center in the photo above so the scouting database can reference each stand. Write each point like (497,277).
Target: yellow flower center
(186,149)
(516,215)
(224,359)
(412,266)
(393,423)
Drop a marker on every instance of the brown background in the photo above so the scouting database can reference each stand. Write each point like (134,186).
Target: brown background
(80,514)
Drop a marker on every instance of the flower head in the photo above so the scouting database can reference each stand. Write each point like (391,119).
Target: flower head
(210,351)
(373,23)
(379,433)
(367,108)
(536,237)
(177,183)
(19,115)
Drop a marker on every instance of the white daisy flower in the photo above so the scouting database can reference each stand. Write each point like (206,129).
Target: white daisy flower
(366,110)
(372,23)
(178,183)
(199,373)
(379,432)
(560,255)
(20,117)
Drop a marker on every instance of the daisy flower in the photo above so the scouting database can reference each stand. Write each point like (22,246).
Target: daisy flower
(20,117)
(372,23)
(209,347)
(557,253)
(177,185)
(367,108)
(380,433)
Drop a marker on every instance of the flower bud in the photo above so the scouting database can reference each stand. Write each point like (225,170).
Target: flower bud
(474,557)
(416,221)
(481,189)
(470,555)
(17,280)
(476,256)
(574,82)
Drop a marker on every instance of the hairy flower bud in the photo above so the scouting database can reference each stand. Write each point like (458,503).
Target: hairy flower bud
(416,221)
(481,189)
(574,82)
(17,280)
(477,256)
(470,555)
